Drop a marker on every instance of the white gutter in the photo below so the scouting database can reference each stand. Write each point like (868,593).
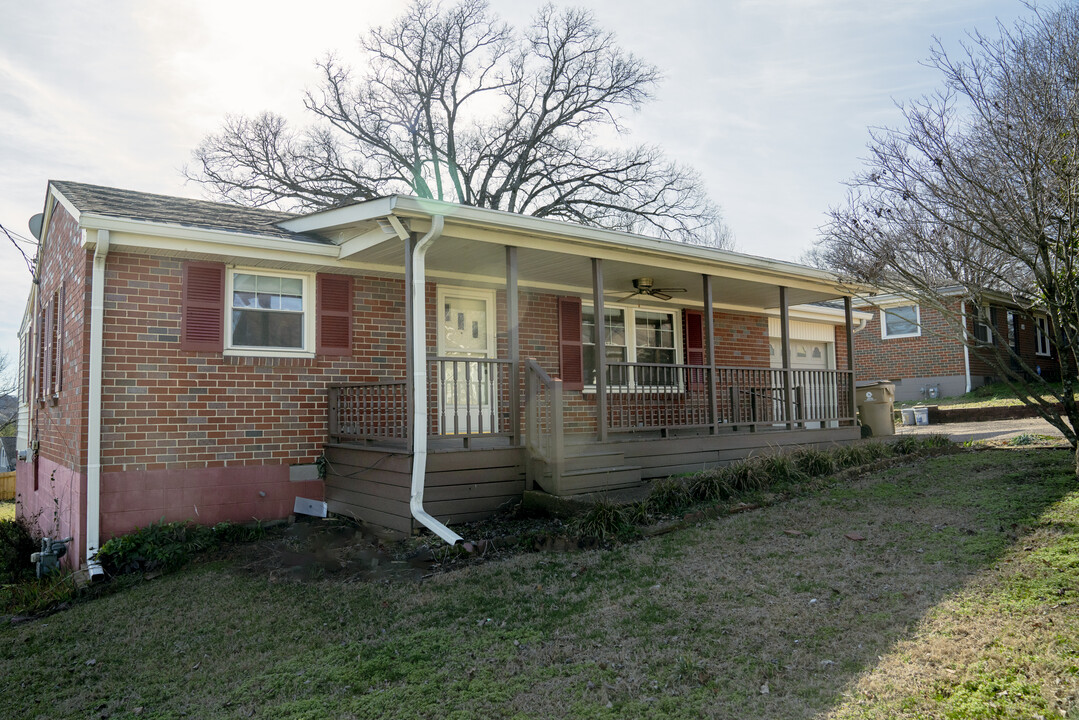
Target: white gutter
(966,341)
(93,422)
(419,383)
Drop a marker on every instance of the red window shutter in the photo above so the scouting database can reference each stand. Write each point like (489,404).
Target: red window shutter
(570,355)
(41,364)
(693,345)
(333,324)
(58,341)
(693,337)
(202,328)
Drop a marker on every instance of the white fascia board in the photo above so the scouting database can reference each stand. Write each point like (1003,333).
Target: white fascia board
(326,220)
(68,205)
(561,230)
(582,240)
(363,242)
(142,233)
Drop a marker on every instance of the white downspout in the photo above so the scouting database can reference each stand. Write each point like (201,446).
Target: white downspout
(966,341)
(419,383)
(93,421)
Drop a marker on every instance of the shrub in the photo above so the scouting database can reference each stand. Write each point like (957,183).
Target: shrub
(603,520)
(814,463)
(669,495)
(746,475)
(709,486)
(849,456)
(937,440)
(158,546)
(877,450)
(18,540)
(781,468)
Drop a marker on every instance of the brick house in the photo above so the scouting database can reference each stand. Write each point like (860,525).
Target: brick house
(917,347)
(193,360)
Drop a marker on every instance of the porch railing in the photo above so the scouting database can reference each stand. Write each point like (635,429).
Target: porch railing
(543,422)
(646,396)
(469,396)
(369,411)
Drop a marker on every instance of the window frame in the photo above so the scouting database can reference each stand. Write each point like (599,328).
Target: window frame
(985,318)
(1041,337)
(308,315)
(885,335)
(629,313)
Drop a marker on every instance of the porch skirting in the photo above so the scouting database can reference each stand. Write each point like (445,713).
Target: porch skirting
(372,484)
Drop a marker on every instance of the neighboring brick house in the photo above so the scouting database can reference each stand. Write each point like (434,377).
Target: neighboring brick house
(192,360)
(919,348)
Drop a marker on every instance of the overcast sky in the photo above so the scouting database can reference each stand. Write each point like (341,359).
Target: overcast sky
(769,99)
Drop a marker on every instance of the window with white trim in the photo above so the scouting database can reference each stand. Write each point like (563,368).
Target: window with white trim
(269,312)
(1041,328)
(900,321)
(985,321)
(633,335)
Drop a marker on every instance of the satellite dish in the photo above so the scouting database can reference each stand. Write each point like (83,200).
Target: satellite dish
(35,225)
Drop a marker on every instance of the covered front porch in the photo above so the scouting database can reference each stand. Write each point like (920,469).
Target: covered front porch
(534,360)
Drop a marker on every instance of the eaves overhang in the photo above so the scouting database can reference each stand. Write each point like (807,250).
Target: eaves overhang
(497,226)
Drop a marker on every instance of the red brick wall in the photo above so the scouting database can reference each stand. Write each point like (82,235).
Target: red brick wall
(164,409)
(741,340)
(981,365)
(937,352)
(51,489)
(932,354)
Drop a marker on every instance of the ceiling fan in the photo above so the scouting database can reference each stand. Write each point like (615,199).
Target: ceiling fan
(643,286)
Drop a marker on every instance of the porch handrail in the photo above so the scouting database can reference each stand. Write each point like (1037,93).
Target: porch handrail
(544,437)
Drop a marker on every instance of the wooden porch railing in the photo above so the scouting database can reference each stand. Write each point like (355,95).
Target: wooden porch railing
(544,435)
(369,411)
(470,397)
(646,396)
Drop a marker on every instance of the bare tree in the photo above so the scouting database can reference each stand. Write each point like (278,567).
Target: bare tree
(9,414)
(980,188)
(452,103)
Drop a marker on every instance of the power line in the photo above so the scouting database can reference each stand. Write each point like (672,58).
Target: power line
(15,239)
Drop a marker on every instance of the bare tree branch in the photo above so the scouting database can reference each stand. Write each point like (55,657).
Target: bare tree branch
(980,189)
(452,103)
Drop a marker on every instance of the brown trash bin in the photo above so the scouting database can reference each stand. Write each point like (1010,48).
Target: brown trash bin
(876,405)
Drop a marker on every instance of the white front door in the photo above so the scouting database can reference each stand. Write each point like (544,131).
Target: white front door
(467,390)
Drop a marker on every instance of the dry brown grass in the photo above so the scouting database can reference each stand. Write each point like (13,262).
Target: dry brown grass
(731,618)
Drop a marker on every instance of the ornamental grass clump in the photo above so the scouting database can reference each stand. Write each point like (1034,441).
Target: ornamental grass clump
(814,463)
(709,486)
(604,520)
(781,469)
(668,496)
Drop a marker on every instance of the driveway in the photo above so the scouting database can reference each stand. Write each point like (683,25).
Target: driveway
(989,430)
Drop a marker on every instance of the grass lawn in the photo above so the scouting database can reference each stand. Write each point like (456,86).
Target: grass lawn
(7,510)
(944,588)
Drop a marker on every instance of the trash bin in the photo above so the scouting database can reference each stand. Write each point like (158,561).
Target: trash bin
(908,416)
(875,407)
(921,415)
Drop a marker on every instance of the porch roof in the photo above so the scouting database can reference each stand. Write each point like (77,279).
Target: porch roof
(554,255)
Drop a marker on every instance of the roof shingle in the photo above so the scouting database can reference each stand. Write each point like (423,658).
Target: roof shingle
(114,202)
